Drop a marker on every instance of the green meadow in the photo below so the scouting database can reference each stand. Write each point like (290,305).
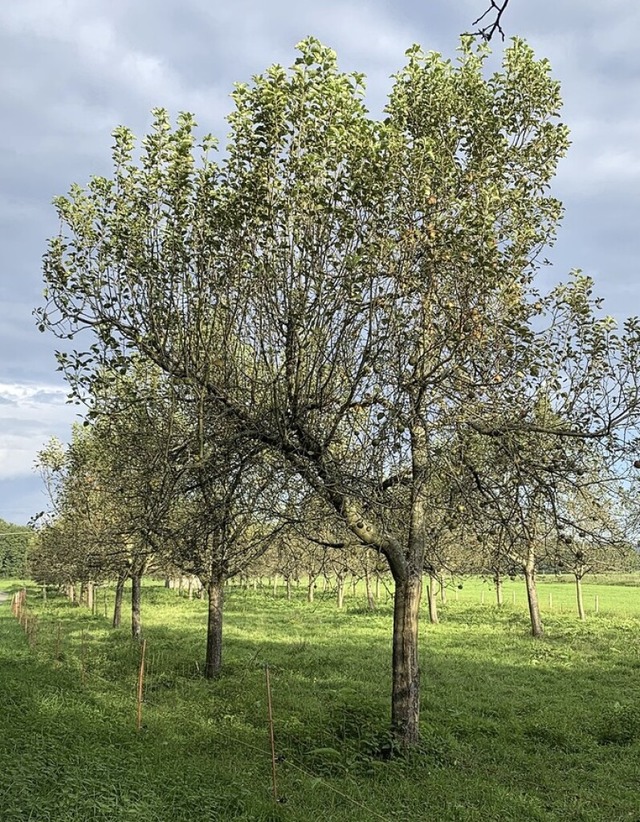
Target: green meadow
(512,728)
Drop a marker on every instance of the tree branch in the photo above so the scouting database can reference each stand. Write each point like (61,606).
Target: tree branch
(495,25)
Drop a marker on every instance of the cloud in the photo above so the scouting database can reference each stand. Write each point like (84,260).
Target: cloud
(29,416)
(93,43)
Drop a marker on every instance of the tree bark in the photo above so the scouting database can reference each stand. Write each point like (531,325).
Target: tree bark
(443,588)
(432,599)
(340,592)
(215,594)
(532,597)
(117,607)
(136,597)
(405,695)
(579,598)
(371,602)
(90,592)
(311,585)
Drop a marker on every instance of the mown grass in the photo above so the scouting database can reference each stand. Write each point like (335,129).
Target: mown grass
(513,728)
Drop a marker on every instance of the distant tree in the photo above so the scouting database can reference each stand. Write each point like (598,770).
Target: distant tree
(227,508)
(591,533)
(77,530)
(15,542)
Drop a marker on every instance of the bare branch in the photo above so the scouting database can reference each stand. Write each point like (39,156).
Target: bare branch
(495,25)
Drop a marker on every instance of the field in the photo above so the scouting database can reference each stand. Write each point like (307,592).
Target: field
(513,728)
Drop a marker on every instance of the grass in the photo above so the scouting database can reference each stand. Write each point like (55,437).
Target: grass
(513,728)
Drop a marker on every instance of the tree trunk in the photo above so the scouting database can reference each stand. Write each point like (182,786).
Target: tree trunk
(340,592)
(497,579)
(443,589)
(532,598)
(71,592)
(90,592)
(136,596)
(581,612)
(117,607)
(371,603)
(275,585)
(311,586)
(213,663)
(288,586)
(432,600)
(405,695)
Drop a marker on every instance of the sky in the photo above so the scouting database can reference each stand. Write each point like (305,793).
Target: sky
(72,70)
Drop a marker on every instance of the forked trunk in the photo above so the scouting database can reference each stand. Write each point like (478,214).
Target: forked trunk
(213,663)
(405,694)
(117,607)
(432,599)
(579,598)
(532,598)
(136,597)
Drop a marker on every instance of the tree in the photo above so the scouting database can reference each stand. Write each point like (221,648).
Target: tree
(133,428)
(14,549)
(591,533)
(75,536)
(348,293)
(226,511)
